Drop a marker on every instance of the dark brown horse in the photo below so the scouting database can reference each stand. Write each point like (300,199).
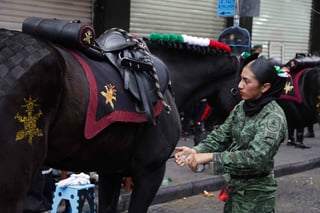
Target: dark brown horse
(44,99)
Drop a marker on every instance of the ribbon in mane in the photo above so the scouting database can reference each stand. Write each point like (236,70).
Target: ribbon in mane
(191,40)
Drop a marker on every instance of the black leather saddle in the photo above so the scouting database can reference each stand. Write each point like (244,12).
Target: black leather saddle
(143,74)
(300,63)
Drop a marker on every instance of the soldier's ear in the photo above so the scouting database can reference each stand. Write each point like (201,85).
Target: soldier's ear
(265,87)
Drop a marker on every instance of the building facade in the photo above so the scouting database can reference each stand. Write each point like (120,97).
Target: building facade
(284,27)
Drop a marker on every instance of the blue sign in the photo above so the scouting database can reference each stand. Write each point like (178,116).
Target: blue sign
(226,7)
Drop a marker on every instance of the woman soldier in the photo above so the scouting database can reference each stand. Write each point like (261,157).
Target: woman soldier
(244,146)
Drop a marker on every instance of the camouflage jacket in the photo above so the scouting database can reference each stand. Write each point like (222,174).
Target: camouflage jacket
(246,145)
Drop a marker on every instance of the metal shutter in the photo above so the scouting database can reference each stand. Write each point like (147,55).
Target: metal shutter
(14,12)
(283,28)
(195,18)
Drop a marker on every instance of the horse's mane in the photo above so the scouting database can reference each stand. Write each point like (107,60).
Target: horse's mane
(215,48)
(195,49)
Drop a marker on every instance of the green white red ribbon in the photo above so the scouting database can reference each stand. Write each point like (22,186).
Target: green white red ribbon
(191,40)
(283,72)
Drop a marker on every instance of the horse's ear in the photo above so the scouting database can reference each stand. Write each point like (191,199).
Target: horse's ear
(250,58)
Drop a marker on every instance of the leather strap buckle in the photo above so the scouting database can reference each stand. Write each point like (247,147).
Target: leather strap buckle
(135,64)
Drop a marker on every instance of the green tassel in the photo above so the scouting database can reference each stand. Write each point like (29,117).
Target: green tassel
(172,37)
(180,39)
(154,36)
(165,37)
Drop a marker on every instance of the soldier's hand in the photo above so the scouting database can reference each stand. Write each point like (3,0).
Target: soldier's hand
(198,158)
(182,154)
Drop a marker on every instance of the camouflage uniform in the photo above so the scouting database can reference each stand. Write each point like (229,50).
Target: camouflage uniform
(244,150)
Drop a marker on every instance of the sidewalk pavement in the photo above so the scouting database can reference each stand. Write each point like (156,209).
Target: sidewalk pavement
(181,182)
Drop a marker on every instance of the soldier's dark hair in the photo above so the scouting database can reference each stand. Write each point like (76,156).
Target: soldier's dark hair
(265,72)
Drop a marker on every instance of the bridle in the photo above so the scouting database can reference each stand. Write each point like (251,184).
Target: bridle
(234,91)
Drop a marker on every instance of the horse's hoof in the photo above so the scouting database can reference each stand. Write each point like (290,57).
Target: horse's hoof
(309,135)
(302,145)
(291,142)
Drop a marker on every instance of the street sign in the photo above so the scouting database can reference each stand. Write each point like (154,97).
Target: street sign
(226,7)
(247,8)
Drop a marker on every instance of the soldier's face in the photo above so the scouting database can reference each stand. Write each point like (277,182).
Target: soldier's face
(249,86)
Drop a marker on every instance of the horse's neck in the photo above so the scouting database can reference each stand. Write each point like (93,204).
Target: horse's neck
(195,78)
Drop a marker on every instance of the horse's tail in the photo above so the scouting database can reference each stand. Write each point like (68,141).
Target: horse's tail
(311,90)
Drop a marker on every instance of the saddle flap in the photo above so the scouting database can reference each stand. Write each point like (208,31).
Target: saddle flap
(130,81)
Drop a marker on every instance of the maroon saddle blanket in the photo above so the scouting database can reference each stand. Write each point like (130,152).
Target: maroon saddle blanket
(109,102)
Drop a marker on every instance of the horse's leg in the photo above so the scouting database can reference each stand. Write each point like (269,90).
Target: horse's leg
(15,182)
(291,140)
(39,197)
(299,143)
(109,192)
(299,135)
(144,189)
(310,131)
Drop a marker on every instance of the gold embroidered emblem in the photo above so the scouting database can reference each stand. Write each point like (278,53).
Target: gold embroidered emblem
(29,120)
(292,63)
(110,94)
(88,37)
(288,87)
(318,104)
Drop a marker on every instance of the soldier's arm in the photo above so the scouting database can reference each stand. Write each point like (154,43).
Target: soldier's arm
(258,157)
